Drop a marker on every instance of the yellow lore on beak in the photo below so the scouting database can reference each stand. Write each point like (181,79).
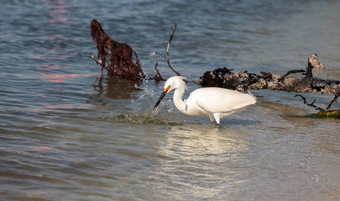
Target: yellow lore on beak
(167,89)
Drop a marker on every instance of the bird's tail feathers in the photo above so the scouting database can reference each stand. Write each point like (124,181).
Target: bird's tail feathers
(254,97)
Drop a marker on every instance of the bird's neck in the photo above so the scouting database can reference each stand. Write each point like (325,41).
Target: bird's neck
(179,103)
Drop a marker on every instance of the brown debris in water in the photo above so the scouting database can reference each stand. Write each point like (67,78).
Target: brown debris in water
(242,81)
(118,59)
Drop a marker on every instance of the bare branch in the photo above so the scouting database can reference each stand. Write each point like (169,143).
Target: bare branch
(158,77)
(168,48)
(310,104)
(332,101)
(290,72)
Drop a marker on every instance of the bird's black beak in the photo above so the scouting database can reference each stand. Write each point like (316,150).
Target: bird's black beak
(160,98)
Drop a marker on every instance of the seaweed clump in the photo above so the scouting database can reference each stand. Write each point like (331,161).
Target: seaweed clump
(119,59)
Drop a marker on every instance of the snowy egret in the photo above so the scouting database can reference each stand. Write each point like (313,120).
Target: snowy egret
(212,101)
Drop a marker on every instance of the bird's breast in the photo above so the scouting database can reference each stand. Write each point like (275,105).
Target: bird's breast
(192,108)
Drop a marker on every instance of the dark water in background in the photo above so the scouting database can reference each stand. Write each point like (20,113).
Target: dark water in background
(67,134)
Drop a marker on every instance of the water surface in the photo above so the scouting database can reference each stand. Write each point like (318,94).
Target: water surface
(66,133)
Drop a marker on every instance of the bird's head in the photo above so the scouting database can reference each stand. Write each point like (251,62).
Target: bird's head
(174,82)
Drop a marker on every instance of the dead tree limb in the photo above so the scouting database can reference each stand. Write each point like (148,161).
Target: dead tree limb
(323,113)
(290,72)
(158,77)
(242,81)
(168,48)
(224,77)
(332,101)
(309,104)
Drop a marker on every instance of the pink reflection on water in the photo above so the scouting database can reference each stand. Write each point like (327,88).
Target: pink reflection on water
(42,95)
(60,19)
(54,89)
(36,194)
(63,106)
(57,11)
(58,54)
(41,148)
(47,67)
(62,77)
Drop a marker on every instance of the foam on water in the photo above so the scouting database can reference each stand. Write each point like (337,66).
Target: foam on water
(140,118)
(143,112)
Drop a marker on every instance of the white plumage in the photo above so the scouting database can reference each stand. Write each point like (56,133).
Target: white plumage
(212,101)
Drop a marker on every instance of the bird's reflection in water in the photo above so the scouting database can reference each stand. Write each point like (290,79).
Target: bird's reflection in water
(205,160)
(196,140)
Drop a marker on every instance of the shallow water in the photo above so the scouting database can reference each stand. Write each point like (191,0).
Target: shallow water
(66,133)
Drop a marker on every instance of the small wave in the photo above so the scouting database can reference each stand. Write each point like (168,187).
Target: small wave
(139,118)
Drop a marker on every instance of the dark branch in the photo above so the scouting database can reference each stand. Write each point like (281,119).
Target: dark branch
(313,63)
(168,48)
(223,77)
(290,72)
(332,101)
(310,104)
(158,77)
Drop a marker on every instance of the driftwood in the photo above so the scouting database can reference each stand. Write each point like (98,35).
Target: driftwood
(242,81)
(118,59)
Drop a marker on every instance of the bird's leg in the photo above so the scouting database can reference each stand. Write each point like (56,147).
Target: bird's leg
(217,118)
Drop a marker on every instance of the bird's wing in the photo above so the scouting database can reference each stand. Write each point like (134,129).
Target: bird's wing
(210,103)
(222,102)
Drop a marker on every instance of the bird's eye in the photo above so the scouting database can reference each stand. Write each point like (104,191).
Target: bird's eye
(185,81)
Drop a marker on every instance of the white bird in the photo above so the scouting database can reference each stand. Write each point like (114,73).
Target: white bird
(212,101)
